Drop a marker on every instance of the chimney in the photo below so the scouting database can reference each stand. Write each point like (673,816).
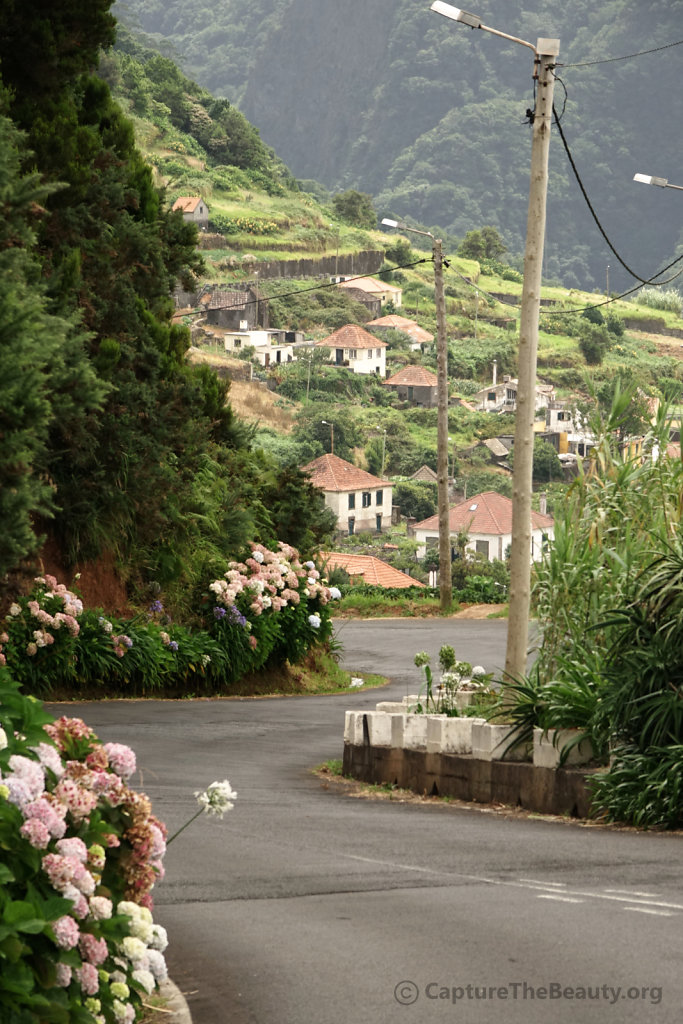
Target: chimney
(543,504)
(495,372)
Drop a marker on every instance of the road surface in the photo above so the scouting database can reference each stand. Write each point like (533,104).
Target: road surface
(307,906)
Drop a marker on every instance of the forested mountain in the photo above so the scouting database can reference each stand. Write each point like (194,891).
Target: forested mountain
(429,117)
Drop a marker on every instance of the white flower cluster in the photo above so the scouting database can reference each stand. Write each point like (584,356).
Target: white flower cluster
(143,947)
(217,798)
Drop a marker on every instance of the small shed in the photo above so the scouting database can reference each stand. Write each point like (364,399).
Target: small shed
(194,210)
(416,385)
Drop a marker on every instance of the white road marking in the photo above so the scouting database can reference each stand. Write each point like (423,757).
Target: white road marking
(648,910)
(537,881)
(559,899)
(633,892)
(519,883)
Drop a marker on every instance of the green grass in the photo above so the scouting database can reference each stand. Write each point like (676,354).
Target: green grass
(370,606)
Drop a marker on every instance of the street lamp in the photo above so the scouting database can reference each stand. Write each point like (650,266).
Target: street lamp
(445,584)
(331,426)
(649,179)
(546,52)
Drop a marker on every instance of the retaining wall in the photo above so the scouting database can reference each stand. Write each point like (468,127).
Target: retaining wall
(385,752)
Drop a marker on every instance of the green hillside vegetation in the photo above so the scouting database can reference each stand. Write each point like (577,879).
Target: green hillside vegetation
(112,444)
(284,221)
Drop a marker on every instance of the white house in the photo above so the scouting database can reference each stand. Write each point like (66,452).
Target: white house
(502,397)
(487,520)
(359,500)
(355,348)
(269,347)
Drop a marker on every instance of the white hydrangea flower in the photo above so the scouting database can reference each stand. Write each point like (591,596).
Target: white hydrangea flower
(159,940)
(145,979)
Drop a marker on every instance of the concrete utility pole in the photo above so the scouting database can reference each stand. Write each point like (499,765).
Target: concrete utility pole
(547,51)
(445,581)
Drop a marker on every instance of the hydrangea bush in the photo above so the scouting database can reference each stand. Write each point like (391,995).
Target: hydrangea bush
(80,852)
(269,609)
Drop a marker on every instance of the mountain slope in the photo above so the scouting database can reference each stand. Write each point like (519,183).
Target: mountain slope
(429,117)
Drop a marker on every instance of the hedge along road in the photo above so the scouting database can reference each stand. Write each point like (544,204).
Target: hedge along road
(307,906)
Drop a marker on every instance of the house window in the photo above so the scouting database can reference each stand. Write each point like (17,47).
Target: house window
(353,354)
(378,523)
(369,353)
(379,498)
(352,526)
(491,396)
(482,548)
(367,499)
(352,500)
(560,415)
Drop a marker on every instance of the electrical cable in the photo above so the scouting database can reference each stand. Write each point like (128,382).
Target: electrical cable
(602,231)
(628,56)
(314,288)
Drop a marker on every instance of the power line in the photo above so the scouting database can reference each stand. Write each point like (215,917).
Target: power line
(313,288)
(599,225)
(628,56)
(614,298)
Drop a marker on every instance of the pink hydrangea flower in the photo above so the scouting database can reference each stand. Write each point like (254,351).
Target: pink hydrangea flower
(66,932)
(63,975)
(49,758)
(121,759)
(29,771)
(36,832)
(79,904)
(100,908)
(19,793)
(51,816)
(88,979)
(73,847)
(95,951)
(79,801)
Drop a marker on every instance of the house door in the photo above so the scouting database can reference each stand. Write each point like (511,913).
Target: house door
(339,357)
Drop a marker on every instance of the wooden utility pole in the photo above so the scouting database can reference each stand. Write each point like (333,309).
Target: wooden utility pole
(547,51)
(445,581)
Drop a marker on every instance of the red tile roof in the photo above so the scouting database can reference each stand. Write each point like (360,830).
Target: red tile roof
(188,204)
(370,285)
(402,323)
(331,473)
(373,570)
(351,336)
(487,513)
(413,376)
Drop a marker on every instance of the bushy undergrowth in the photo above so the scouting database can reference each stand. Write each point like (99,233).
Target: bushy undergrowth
(80,852)
(264,611)
(609,599)
(667,299)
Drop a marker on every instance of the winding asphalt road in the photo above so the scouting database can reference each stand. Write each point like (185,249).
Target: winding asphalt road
(307,906)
